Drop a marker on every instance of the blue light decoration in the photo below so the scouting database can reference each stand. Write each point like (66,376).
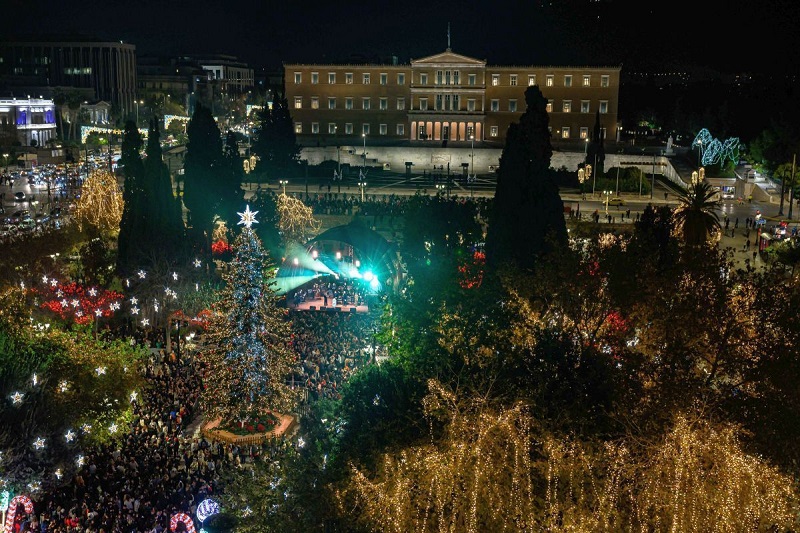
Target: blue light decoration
(206,508)
(713,151)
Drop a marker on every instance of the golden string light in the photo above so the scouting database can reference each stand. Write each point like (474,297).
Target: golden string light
(100,205)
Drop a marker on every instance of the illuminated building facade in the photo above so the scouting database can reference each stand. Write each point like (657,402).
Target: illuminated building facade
(34,119)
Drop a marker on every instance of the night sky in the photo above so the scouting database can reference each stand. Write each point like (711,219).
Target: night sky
(729,36)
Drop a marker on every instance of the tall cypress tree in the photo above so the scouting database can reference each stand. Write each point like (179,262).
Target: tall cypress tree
(164,213)
(230,192)
(276,142)
(527,215)
(133,220)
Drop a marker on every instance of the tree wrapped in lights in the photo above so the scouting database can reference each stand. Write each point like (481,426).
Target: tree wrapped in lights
(296,220)
(248,334)
(100,206)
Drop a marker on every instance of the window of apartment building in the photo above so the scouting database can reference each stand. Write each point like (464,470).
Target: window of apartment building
(603,107)
(331,78)
(566,106)
(365,129)
(383,103)
(495,80)
(548,82)
(365,78)
(470,104)
(315,102)
(298,127)
(568,80)
(298,77)
(493,131)
(495,105)
(531,80)
(348,78)
(383,129)
(332,128)
(584,106)
(565,132)
(348,129)
(331,103)
(401,78)
(365,103)
(512,106)
(315,127)
(298,102)
(384,78)
(587,80)
(423,104)
(549,107)
(584,133)
(513,80)
(423,79)
(604,80)
(314,78)
(401,129)
(348,102)
(472,79)
(401,104)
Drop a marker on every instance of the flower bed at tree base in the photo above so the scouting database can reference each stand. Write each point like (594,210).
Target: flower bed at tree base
(285,424)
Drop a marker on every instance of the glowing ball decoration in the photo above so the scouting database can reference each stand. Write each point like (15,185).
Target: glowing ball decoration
(207,508)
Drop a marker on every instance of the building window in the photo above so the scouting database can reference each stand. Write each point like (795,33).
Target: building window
(298,77)
(348,129)
(348,78)
(422,133)
(331,103)
(348,102)
(566,106)
(298,127)
(298,102)
(565,132)
(401,78)
(472,79)
(603,107)
(383,104)
(401,129)
(604,80)
(513,80)
(470,104)
(493,131)
(438,105)
(495,80)
(568,80)
(366,78)
(331,78)
(332,128)
(423,79)
(315,102)
(531,80)
(423,104)
(383,129)
(314,78)
(384,78)
(584,133)
(549,107)
(439,80)
(495,105)
(584,106)
(365,103)
(365,129)
(512,106)
(315,127)
(587,80)
(549,80)
(401,104)
(456,78)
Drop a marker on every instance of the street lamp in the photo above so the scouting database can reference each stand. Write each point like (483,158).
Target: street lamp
(284,183)
(137,102)
(698,175)
(585,146)
(441,187)
(363,185)
(582,177)
(364,165)
(588,170)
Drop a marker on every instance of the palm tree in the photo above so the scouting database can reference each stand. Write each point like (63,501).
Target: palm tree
(696,217)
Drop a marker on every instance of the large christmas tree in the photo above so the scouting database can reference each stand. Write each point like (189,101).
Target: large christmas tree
(249,355)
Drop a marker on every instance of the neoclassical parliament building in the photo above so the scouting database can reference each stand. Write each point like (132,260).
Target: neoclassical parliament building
(444,97)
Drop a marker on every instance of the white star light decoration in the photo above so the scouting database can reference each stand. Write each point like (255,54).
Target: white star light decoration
(17,397)
(38,443)
(35,380)
(175,276)
(45,279)
(113,428)
(69,435)
(53,282)
(86,428)
(63,386)
(133,396)
(248,218)
(98,312)
(100,370)
(134,310)
(92,292)
(79,461)
(145,322)
(142,274)
(197,263)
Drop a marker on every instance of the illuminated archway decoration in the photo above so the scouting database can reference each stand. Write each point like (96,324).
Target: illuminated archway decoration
(12,510)
(181,517)
(169,118)
(713,151)
(206,508)
(86,130)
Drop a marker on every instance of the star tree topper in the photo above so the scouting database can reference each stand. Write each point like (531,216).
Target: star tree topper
(248,218)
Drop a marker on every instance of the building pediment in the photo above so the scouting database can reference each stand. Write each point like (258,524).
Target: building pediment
(448,58)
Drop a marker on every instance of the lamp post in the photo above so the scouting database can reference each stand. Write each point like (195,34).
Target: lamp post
(283,184)
(364,164)
(582,177)
(362,185)
(441,187)
(137,102)
(588,170)
(5,161)
(585,146)
(608,195)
